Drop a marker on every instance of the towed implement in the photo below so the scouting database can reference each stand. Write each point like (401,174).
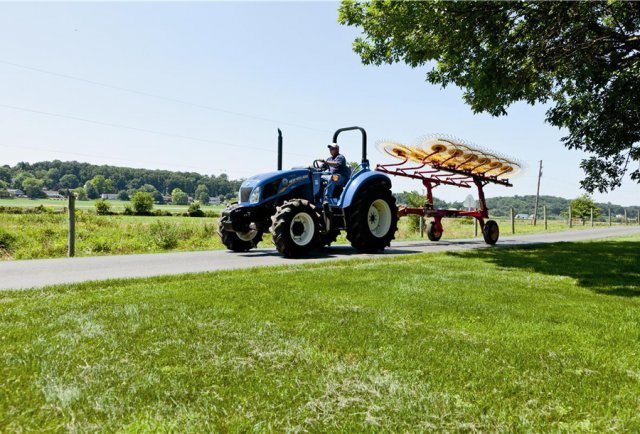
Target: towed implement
(443,160)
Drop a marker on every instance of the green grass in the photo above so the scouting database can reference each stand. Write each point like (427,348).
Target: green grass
(35,236)
(536,339)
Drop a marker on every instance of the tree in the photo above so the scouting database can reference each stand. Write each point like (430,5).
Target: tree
(80,193)
(194,210)
(581,208)
(91,190)
(19,179)
(32,187)
(5,174)
(583,58)
(179,197)
(103,207)
(202,194)
(123,195)
(69,181)
(99,182)
(142,202)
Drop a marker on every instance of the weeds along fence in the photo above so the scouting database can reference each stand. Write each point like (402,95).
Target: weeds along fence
(42,232)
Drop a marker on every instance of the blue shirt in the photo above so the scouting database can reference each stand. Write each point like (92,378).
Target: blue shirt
(341,168)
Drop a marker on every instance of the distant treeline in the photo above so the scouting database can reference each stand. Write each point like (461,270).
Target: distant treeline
(501,206)
(94,180)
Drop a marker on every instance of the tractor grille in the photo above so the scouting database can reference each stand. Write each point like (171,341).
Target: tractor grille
(244,194)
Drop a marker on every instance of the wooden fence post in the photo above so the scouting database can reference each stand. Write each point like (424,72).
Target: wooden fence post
(591,217)
(421,227)
(570,218)
(475,228)
(72,224)
(609,216)
(625,216)
(513,221)
(544,212)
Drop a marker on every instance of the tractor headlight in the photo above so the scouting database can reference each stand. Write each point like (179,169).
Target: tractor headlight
(255,195)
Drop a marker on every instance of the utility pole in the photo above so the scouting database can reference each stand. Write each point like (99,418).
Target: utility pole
(535,209)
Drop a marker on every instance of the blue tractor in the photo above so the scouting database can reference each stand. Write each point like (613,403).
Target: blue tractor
(306,208)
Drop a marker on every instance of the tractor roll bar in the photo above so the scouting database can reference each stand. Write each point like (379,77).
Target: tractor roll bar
(364,139)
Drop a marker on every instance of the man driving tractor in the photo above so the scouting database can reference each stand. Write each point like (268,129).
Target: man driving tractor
(338,171)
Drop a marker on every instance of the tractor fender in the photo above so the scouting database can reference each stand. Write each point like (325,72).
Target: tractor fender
(358,182)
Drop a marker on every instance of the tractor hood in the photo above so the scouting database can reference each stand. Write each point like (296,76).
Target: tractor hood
(273,184)
(291,176)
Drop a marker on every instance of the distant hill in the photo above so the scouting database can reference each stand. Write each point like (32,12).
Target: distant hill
(501,206)
(61,175)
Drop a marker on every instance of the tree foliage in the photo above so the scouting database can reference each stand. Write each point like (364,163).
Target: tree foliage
(179,197)
(202,194)
(142,202)
(103,207)
(582,207)
(91,190)
(32,187)
(581,57)
(62,175)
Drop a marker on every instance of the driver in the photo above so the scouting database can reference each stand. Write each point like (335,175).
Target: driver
(337,163)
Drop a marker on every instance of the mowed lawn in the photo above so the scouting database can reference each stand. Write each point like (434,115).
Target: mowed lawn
(542,338)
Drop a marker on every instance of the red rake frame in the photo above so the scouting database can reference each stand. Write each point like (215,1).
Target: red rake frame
(447,172)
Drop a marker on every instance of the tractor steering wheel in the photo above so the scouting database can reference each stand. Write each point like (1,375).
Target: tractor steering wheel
(319,165)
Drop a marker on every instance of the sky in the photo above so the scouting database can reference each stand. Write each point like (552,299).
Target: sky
(203,87)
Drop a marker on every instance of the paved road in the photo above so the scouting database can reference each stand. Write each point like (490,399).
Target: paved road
(43,272)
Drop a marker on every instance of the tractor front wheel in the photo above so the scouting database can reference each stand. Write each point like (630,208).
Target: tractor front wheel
(295,228)
(490,232)
(239,241)
(372,219)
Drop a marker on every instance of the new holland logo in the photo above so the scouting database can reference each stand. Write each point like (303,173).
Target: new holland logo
(286,183)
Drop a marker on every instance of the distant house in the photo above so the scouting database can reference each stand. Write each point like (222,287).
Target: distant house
(109,196)
(522,216)
(51,194)
(214,201)
(166,198)
(15,192)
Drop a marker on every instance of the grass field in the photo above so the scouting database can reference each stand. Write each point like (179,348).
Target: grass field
(32,236)
(536,339)
(36,236)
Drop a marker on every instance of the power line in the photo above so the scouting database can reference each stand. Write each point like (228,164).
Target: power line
(160,97)
(144,130)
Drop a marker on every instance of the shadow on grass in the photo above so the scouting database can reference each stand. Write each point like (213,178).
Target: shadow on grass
(606,267)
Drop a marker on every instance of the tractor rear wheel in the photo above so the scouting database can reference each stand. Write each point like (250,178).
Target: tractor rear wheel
(239,241)
(372,218)
(490,232)
(295,228)
(434,231)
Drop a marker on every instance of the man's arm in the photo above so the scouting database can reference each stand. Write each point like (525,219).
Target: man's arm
(340,161)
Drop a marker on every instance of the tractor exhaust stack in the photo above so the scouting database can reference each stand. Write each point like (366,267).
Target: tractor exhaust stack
(279,149)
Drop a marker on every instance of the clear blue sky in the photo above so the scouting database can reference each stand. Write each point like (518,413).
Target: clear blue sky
(254,67)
